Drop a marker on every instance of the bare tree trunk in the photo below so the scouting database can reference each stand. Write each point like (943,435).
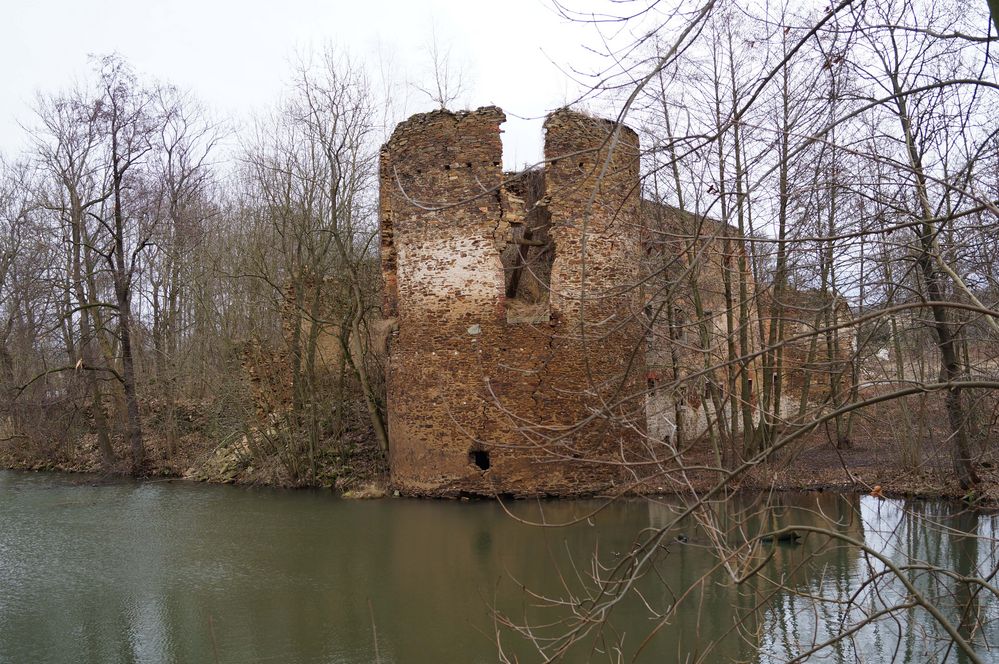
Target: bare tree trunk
(122,273)
(926,259)
(133,426)
(357,356)
(87,355)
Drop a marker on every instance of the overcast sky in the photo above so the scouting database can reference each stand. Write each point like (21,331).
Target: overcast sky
(234,54)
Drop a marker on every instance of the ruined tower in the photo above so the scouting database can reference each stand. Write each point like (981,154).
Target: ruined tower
(518,363)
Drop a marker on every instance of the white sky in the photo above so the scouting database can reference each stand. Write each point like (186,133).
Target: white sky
(234,54)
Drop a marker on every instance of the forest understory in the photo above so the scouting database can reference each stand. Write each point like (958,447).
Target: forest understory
(899,446)
(190,447)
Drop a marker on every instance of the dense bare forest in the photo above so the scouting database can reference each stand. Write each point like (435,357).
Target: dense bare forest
(156,293)
(823,183)
(855,149)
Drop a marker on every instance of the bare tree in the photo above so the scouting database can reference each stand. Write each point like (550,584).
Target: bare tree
(310,171)
(68,143)
(445,79)
(129,122)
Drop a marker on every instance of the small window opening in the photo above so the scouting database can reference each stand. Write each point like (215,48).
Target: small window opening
(480,458)
(652,378)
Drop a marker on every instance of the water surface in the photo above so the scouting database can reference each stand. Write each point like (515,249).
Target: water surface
(178,572)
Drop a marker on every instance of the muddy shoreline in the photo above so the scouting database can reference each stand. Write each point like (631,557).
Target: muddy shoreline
(354,466)
(758,481)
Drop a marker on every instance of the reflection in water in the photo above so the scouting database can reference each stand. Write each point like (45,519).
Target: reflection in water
(851,593)
(174,572)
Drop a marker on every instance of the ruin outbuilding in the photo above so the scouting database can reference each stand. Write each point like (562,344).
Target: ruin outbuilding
(519,350)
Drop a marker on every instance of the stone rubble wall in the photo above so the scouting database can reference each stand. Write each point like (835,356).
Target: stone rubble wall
(683,252)
(540,388)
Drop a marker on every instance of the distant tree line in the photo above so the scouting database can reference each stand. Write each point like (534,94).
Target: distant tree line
(145,253)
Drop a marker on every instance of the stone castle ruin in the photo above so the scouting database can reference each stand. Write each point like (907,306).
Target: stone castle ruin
(520,347)
(545,330)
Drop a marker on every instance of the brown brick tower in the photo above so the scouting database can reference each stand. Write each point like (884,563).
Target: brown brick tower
(518,363)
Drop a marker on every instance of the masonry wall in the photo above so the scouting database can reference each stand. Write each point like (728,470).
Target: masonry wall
(523,394)
(688,353)
(688,369)
(808,361)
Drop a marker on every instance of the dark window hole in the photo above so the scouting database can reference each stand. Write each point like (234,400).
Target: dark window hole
(480,458)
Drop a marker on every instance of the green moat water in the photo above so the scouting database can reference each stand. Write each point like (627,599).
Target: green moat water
(181,572)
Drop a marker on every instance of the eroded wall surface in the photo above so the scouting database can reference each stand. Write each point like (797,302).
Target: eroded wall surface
(518,365)
(695,323)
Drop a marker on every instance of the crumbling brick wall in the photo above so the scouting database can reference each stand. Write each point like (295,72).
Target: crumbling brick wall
(688,259)
(538,392)
(688,351)
(806,313)
(269,364)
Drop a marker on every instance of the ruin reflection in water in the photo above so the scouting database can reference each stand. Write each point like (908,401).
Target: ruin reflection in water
(176,572)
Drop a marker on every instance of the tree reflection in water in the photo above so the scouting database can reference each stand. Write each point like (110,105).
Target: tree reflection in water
(864,580)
